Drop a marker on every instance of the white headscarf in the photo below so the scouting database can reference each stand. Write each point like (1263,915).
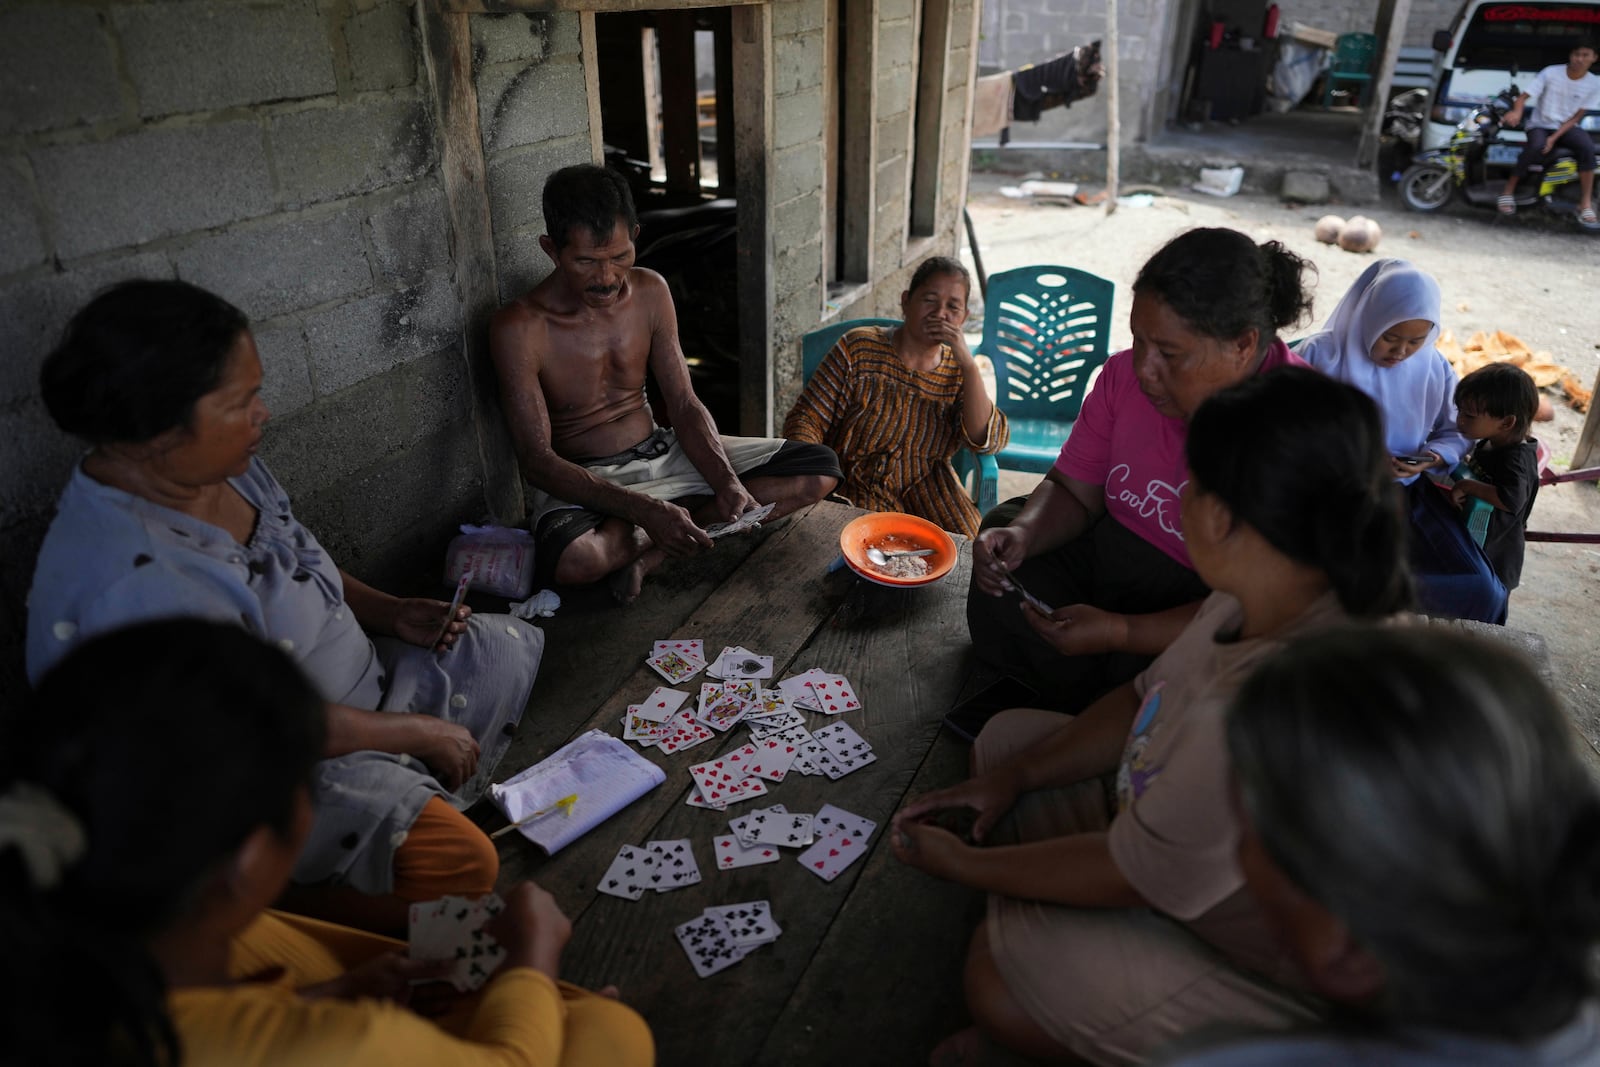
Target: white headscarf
(1390,291)
(1416,395)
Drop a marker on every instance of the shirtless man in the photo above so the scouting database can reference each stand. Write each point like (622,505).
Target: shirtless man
(572,355)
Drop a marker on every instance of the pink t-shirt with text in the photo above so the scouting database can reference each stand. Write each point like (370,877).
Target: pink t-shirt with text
(1121,442)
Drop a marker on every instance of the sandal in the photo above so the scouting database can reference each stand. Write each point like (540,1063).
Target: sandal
(1507,205)
(1587,217)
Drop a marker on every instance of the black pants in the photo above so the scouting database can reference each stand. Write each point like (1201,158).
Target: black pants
(1108,566)
(1574,140)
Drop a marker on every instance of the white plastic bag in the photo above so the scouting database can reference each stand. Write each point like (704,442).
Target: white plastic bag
(496,559)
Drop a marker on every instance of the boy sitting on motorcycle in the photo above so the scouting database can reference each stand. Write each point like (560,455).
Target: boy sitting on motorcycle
(1559,90)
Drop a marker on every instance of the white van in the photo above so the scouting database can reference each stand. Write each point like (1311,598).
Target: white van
(1492,44)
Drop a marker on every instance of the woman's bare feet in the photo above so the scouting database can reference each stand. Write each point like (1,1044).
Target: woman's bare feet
(626,583)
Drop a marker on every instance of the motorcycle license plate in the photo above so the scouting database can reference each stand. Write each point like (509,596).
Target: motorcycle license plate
(1502,154)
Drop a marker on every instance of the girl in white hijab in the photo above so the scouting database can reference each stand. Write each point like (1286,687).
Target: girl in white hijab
(1380,339)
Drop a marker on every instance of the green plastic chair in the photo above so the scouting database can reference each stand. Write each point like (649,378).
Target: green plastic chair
(1352,62)
(979,474)
(1048,331)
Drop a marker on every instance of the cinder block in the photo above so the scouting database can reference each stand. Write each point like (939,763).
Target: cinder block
(894,93)
(797,118)
(200,56)
(34,311)
(797,221)
(797,171)
(524,104)
(562,30)
(510,38)
(281,265)
(798,268)
(1305,187)
(373,334)
(334,437)
(21,239)
(327,153)
(896,46)
(516,180)
(798,64)
(894,137)
(409,234)
(790,17)
(55,68)
(381,48)
(520,262)
(889,10)
(151,184)
(285,377)
(39,459)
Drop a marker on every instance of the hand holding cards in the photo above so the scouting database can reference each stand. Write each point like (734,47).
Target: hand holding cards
(452,928)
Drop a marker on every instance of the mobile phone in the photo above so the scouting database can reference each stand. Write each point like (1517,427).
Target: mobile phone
(1038,604)
(968,717)
(1414,460)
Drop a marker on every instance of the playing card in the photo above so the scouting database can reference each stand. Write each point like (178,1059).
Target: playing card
(772,759)
(661,704)
(806,759)
(675,865)
(768,702)
(828,858)
(642,730)
(708,944)
(834,695)
(836,768)
(723,710)
(674,667)
(717,774)
(768,725)
(841,741)
(685,732)
(629,874)
(451,928)
(784,830)
(691,648)
(739,662)
(750,923)
(730,853)
(741,825)
(797,690)
(830,818)
(746,789)
(748,521)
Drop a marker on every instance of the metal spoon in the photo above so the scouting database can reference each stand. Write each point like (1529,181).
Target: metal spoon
(878,557)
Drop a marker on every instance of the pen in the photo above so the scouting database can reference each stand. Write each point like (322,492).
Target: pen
(564,805)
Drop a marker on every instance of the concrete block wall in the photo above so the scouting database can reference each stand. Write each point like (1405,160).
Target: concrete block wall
(281,154)
(534,114)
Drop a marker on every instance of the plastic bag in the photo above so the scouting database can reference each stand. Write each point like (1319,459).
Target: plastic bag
(496,559)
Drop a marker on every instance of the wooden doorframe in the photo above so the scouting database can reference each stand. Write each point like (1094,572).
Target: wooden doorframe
(752,146)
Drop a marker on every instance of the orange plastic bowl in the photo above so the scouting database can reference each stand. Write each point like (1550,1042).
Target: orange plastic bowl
(891,531)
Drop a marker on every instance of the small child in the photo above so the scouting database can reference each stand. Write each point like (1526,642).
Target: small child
(1495,406)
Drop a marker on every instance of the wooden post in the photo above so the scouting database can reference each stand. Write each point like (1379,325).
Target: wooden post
(752,121)
(680,114)
(858,141)
(589,46)
(1113,116)
(1390,28)
(1589,438)
(447,57)
(927,137)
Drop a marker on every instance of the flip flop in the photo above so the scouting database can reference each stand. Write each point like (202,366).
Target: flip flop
(1507,205)
(1587,217)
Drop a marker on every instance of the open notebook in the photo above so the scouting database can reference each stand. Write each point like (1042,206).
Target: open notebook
(603,772)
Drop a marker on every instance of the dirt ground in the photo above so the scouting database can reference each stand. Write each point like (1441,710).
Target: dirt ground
(1528,276)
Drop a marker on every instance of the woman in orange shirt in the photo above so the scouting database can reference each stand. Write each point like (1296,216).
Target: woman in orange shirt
(897,402)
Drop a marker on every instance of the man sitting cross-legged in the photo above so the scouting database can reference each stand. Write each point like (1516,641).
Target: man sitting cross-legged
(572,355)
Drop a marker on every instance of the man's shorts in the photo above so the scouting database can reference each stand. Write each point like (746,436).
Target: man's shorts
(659,468)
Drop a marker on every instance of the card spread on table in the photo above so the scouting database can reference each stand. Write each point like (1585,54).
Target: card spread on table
(686,732)
(637,728)
(691,648)
(674,666)
(830,818)
(750,923)
(784,829)
(797,689)
(768,702)
(736,662)
(740,825)
(834,695)
(767,725)
(629,874)
(721,706)
(772,759)
(839,739)
(452,928)
(709,944)
(730,853)
(675,864)
(661,704)
(828,858)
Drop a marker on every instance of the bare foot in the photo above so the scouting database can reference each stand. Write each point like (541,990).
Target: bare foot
(961,1049)
(626,583)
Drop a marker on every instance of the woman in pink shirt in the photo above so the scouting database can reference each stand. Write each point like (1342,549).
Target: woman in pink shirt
(1099,540)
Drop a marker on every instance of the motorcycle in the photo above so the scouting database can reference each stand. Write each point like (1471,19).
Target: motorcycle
(1404,116)
(1476,163)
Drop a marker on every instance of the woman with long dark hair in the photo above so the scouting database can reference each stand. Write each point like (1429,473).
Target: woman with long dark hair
(1117,917)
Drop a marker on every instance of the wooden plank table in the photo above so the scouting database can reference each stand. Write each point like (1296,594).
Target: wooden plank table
(868,966)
